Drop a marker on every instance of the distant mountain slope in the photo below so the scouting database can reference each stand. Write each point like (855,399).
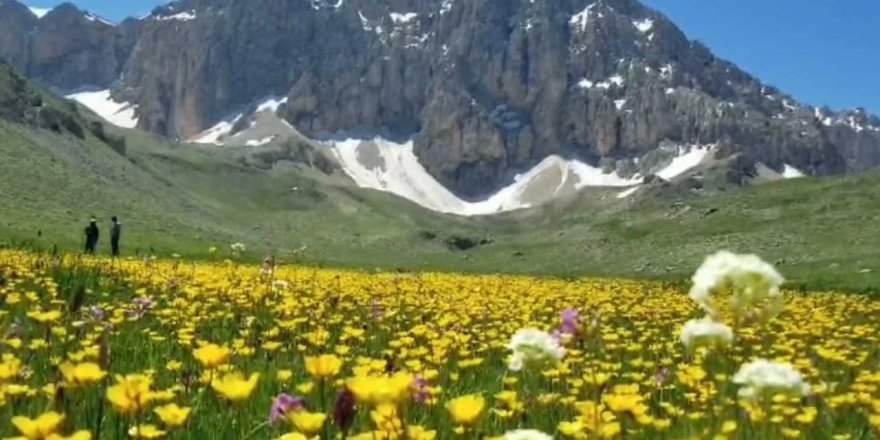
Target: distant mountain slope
(486,89)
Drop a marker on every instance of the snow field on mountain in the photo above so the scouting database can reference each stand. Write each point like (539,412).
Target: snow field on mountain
(122,114)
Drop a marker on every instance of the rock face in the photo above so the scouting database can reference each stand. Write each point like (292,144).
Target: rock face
(487,88)
(66,49)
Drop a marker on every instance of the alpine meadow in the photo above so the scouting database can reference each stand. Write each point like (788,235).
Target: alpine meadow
(433,220)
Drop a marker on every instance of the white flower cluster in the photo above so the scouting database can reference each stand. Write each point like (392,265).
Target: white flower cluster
(705,333)
(526,434)
(753,286)
(762,379)
(752,283)
(533,348)
(237,247)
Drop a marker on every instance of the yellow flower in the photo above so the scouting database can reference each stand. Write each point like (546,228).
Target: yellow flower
(79,435)
(416,432)
(292,436)
(131,393)
(211,355)
(174,365)
(572,429)
(9,369)
(728,427)
(145,432)
(284,375)
(465,410)
(39,428)
(324,366)
(307,422)
(172,415)
(234,387)
(378,390)
(44,317)
(305,387)
(610,430)
(82,374)
(387,420)
(625,403)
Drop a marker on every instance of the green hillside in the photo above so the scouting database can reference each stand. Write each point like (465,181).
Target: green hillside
(184,199)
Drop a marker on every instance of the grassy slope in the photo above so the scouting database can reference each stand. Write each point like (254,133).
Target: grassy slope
(185,199)
(821,232)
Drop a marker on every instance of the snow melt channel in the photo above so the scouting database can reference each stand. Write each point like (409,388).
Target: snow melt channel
(390,167)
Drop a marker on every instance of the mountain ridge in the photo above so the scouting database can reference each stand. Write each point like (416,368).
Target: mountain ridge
(486,89)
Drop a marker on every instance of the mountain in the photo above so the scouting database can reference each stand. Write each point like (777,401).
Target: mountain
(62,165)
(484,89)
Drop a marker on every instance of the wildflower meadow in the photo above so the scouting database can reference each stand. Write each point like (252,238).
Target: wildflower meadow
(94,348)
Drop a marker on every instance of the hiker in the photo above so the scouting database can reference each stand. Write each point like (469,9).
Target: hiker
(92,234)
(115,232)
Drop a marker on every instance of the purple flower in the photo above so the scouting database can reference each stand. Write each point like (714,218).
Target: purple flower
(375,309)
(660,376)
(141,305)
(144,302)
(97,313)
(344,409)
(570,321)
(283,404)
(420,389)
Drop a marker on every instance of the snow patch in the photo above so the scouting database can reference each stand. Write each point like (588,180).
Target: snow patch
(579,21)
(122,114)
(317,5)
(180,16)
(688,157)
(271,104)
(790,172)
(369,27)
(606,84)
(848,120)
(629,192)
(394,168)
(92,17)
(644,26)
(259,142)
(446,6)
(684,162)
(399,18)
(216,134)
(619,103)
(39,12)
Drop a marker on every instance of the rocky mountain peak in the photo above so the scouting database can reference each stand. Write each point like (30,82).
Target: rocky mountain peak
(485,89)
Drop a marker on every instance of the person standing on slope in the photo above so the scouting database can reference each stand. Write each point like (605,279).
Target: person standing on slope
(115,232)
(92,234)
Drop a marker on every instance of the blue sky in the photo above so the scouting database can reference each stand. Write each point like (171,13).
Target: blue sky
(820,51)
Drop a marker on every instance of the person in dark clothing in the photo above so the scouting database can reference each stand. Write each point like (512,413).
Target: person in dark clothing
(115,232)
(92,234)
